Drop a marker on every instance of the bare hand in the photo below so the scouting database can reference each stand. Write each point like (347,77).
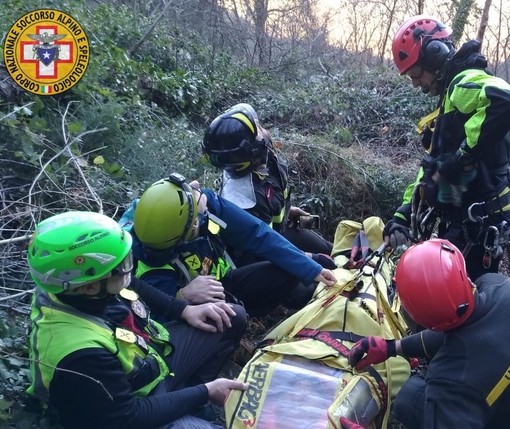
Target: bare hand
(199,196)
(210,317)
(295,212)
(327,277)
(203,289)
(221,387)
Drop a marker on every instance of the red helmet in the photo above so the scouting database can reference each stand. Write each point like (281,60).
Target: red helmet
(433,285)
(411,44)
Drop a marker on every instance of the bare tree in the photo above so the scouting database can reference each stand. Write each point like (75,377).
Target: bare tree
(274,34)
(497,39)
(461,18)
(391,9)
(149,30)
(484,20)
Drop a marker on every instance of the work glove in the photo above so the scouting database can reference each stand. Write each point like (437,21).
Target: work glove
(375,350)
(324,260)
(348,424)
(398,233)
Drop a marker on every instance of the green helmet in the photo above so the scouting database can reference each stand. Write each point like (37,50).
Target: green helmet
(72,249)
(166,213)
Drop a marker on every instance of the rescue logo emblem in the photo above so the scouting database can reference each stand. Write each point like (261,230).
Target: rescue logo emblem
(46,52)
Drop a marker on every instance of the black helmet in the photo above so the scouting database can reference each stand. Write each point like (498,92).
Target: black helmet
(231,143)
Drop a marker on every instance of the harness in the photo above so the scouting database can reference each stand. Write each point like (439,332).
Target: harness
(476,230)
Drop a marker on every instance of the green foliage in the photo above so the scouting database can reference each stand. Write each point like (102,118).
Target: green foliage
(14,377)
(343,184)
(375,106)
(349,139)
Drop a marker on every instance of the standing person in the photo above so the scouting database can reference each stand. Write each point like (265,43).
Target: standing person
(466,384)
(181,233)
(255,178)
(464,175)
(97,356)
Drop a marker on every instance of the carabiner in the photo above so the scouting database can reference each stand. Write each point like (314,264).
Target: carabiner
(495,241)
(470,215)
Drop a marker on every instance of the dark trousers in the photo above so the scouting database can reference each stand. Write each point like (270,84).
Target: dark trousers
(198,355)
(261,286)
(197,358)
(409,405)
(308,240)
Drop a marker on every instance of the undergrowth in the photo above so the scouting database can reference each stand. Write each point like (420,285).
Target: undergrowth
(348,139)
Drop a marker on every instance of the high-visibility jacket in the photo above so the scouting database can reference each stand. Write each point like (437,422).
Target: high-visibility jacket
(59,329)
(473,115)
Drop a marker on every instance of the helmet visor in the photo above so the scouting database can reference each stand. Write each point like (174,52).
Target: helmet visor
(222,158)
(125,267)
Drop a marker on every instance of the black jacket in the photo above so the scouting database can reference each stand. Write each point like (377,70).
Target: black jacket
(468,362)
(91,390)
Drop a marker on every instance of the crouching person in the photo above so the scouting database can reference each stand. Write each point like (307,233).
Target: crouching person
(97,357)
(466,384)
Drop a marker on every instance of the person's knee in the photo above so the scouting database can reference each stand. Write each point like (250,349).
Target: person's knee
(239,321)
(409,404)
(299,296)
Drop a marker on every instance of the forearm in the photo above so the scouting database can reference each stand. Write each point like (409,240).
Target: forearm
(159,410)
(90,387)
(408,193)
(424,344)
(245,232)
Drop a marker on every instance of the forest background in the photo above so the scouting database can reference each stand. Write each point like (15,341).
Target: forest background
(318,73)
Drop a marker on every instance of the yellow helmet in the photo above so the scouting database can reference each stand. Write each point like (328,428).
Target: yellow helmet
(166,213)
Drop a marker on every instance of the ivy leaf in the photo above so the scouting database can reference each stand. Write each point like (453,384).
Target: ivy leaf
(28,147)
(14,361)
(98,160)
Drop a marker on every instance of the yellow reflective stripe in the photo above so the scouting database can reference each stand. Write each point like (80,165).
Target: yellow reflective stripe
(499,388)
(244,119)
(503,192)
(426,121)
(142,268)
(279,217)
(242,165)
(213,227)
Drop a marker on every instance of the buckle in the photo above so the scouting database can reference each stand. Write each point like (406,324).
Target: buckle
(176,179)
(474,218)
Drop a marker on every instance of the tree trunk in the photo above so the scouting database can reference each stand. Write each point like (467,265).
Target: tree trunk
(460,20)
(144,37)
(484,20)
(260,19)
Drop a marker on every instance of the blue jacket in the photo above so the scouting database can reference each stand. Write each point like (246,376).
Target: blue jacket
(242,231)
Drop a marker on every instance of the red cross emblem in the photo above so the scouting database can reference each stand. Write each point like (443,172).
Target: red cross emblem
(46,52)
